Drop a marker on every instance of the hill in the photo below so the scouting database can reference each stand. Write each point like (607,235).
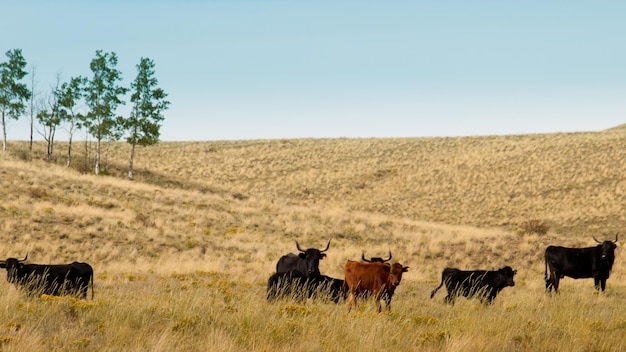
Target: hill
(204,223)
(574,182)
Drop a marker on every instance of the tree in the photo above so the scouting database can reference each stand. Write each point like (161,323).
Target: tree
(13,94)
(69,95)
(50,118)
(149,102)
(31,105)
(102,98)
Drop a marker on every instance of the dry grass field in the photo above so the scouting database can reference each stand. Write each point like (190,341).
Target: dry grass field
(182,253)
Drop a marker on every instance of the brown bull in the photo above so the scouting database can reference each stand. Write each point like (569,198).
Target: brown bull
(376,279)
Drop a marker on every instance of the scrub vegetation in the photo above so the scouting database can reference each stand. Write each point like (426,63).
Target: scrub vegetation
(182,253)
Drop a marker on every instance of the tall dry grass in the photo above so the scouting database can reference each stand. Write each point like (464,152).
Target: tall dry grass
(182,254)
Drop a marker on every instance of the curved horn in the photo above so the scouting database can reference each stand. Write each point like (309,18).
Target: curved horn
(363,258)
(595,239)
(22,260)
(298,246)
(615,238)
(388,259)
(327,246)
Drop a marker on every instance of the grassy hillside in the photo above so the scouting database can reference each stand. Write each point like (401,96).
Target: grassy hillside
(182,253)
(572,181)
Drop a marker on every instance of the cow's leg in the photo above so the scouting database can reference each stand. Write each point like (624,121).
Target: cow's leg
(549,282)
(556,283)
(351,301)
(449,299)
(600,284)
(552,281)
(555,278)
(388,302)
(82,291)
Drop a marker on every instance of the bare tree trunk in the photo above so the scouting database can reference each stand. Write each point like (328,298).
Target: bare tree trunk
(48,150)
(69,152)
(87,162)
(50,140)
(98,156)
(71,136)
(32,106)
(4,134)
(132,158)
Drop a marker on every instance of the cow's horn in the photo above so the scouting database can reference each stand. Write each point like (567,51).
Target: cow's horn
(327,246)
(595,239)
(388,259)
(298,246)
(615,238)
(23,260)
(363,258)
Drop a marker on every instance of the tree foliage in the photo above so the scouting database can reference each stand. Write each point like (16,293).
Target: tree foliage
(102,95)
(70,94)
(144,123)
(13,93)
(149,103)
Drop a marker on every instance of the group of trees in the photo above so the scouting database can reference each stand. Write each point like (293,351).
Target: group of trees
(101,94)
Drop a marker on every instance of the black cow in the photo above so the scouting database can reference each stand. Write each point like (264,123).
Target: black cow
(306,262)
(375,259)
(297,286)
(579,263)
(484,284)
(55,279)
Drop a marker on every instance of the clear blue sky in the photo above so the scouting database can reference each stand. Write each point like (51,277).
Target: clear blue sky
(337,68)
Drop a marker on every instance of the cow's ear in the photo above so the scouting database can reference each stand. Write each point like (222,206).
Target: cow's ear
(302,255)
(3,265)
(323,256)
(405,269)
(386,268)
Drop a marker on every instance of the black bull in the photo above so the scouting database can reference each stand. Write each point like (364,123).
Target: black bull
(297,286)
(55,279)
(579,263)
(484,284)
(306,262)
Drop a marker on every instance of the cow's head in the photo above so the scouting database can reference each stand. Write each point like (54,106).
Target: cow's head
(15,268)
(607,252)
(507,274)
(375,259)
(312,257)
(395,272)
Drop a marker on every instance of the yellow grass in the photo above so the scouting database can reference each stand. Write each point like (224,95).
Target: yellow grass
(182,254)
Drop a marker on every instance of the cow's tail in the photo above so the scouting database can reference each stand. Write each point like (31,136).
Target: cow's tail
(92,286)
(545,273)
(548,276)
(432,294)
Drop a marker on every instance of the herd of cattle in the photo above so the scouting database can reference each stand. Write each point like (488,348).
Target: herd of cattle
(298,276)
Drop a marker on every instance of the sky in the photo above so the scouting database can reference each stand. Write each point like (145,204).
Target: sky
(266,69)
